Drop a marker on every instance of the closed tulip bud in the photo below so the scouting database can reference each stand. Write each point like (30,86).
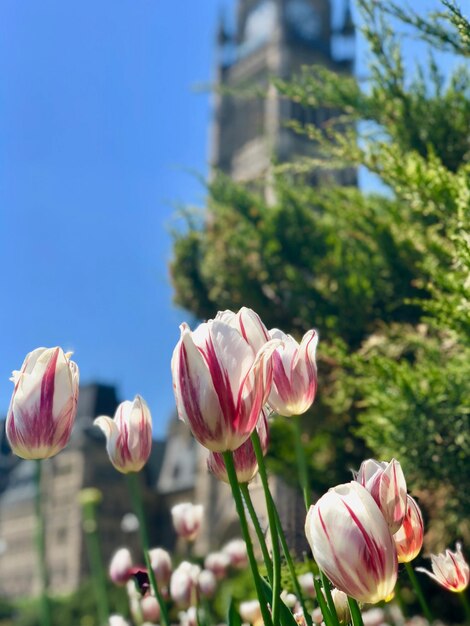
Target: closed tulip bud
(160,561)
(217,563)
(387,485)
(340,600)
(250,612)
(289,599)
(189,617)
(184,584)
(187,519)
(409,539)
(373,617)
(307,585)
(43,405)
(449,569)
(294,373)
(220,380)
(117,620)
(244,457)
(207,583)
(150,609)
(352,544)
(128,435)
(236,551)
(120,567)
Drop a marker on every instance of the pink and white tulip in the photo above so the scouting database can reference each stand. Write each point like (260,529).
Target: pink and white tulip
(120,567)
(43,404)
(294,373)
(128,435)
(207,583)
(409,539)
(352,544)
(387,485)
(244,457)
(187,519)
(221,378)
(160,561)
(250,611)
(184,584)
(189,617)
(150,609)
(218,563)
(236,551)
(449,569)
(307,585)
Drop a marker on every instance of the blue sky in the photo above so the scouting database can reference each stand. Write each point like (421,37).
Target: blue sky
(100,122)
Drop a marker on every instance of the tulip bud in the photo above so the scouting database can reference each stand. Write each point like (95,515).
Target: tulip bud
(217,563)
(307,585)
(294,373)
(386,483)
(340,600)
(373,617)
(244,457)
(189,617)
(449,569)
(160,561)
(150,609)
(289,599)
(117,620)
(221,382)
(250,612)
(236,550)
(120,567)
(352,544)
(128,435)
(184,584)
(187,519)
(207,583)
(43,405)
(409,539)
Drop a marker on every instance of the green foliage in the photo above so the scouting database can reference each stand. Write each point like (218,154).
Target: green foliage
(383,276)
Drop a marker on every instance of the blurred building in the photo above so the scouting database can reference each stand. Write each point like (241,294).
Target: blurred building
(274,38)
(84,463)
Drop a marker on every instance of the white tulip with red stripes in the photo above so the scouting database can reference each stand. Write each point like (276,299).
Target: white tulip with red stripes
(352,544)
(294,373)
(387,485)
(222,375)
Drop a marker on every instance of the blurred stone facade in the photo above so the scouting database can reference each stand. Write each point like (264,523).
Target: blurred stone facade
(84,463)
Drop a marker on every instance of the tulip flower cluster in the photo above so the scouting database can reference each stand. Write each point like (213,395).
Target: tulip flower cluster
(229,376)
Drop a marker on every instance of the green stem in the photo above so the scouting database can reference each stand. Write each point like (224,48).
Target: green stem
(356,616)
(276,582)
(327,617)
(304,483)
(301,461)
(258,530)
(136,497)
(465,604)
(291,567)
(419,592)
(329,597)
(96,563)
(46,619)
(237,496)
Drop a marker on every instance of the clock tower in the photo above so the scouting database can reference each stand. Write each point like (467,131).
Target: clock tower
(273,38)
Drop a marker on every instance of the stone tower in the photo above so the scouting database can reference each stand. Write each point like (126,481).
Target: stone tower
(273,38)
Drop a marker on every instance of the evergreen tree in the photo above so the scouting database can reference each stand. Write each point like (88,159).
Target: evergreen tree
(384,277)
